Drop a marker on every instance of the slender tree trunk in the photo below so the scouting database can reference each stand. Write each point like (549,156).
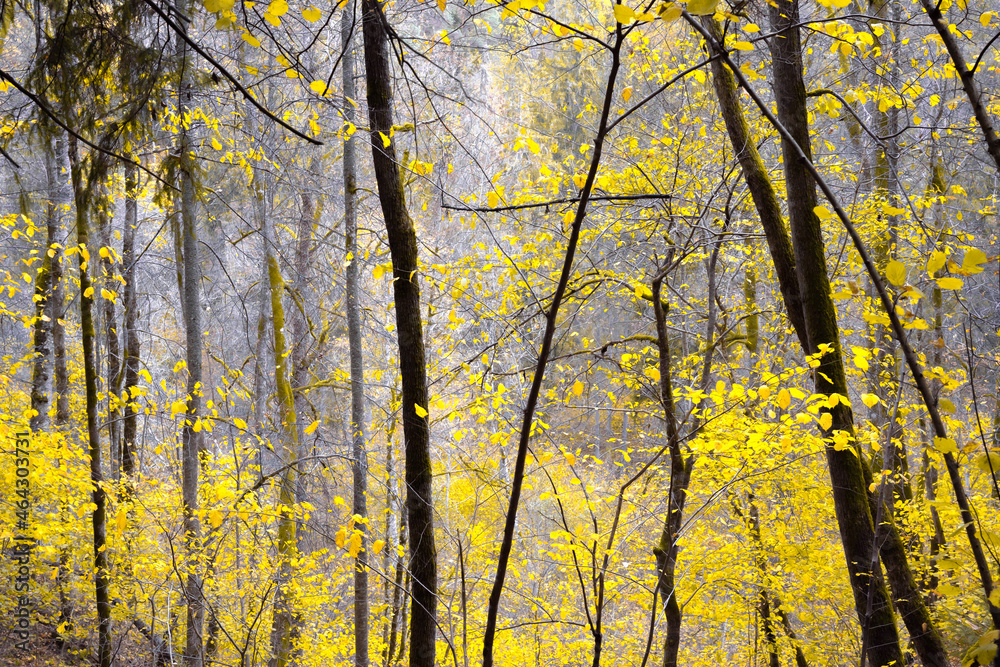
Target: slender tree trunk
(359,454)
(40,367)
(58,305)
(98,498)
(113,389)
(192,441)
(680,475)
(416,429)
(850,492)
(130,299)
(284,625)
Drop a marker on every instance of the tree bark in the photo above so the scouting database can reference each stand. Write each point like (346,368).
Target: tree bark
(98,497)
(40,367)
(284,625)
(113,360)
(759,183)
(132,345)
(846,473)
(191,439)
(359,454)
(416,429)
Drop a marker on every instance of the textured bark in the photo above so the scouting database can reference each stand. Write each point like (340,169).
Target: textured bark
(57,303)
(402,239)
(132,345)
(359,454)
(284,626)
(40,367)
(759,183)
(847,477)
(113,358)
(680,475)
(98,498)
(190,282)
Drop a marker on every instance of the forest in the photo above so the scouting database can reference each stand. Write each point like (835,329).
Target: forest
(474,332)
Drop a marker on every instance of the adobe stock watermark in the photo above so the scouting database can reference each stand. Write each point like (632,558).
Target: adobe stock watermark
(23,543)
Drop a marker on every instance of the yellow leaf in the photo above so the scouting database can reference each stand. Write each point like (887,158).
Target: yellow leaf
(702,7)
(869,399)
(669,11)
(216,145)
(385,140)
(377,547)
(272,19)
(950,283)
(784,399)
(354,544)
(822,212)
(312,14)
(341,537)
(743,46)
(570,458)
(420,410)
(627,94)
(240,423)
(936,261)
(945,445)
(309,430)
(120,520)
(442,4)
(578,388)
(215,518)
(278,8)
(106,294)
(318,87)
(250,39)
(972,260)
(492,199)
(826,421)
(896,272)
(378,271)
(624,14)
(88,293)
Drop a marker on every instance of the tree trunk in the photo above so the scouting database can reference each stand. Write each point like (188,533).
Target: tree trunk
(131,302)
(98,498)
(57,302)
(107,263)
(850,493)
(43,322)
(926,638)
(192,443)
(759,183)
(284,625)
(359,454)
(412,365)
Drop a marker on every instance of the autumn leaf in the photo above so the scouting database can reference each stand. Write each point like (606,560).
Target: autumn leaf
(420,410)
(784,399)
(627,94)
(312,14)
(896,272)
(935,262)
(578,388)
(950,283)
(624,14)
(702,7)
(974,257)
(309,430)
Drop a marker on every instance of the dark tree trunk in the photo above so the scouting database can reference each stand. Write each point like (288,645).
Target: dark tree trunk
(850,493)
(98,498)
(131,303)
(412,365)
